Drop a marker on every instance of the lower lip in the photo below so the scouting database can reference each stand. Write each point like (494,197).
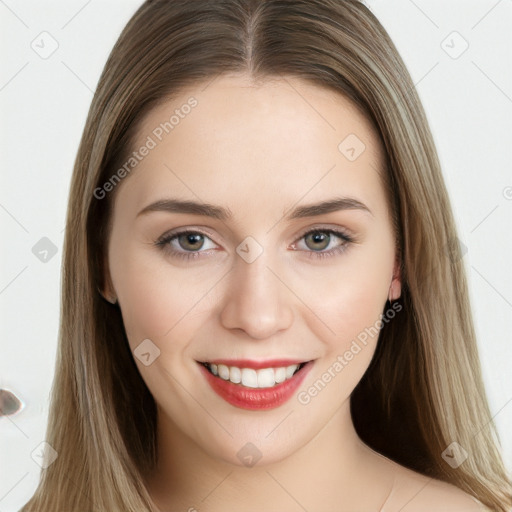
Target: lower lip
(256,398)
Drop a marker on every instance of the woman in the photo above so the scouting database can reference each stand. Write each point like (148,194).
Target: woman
(263,303)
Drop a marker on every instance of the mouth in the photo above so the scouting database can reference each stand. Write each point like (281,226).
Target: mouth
(255,385)
(244,375)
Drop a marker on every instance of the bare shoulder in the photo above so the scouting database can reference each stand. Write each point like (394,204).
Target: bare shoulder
(414,492)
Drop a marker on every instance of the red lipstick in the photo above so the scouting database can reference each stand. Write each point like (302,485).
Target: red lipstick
(256,365)
(249,398)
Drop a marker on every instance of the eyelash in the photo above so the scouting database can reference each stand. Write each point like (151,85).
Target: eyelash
(164,243)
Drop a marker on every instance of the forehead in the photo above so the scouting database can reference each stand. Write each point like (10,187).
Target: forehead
(282,138)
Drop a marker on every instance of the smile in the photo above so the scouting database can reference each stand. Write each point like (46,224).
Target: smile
(264,378)
(252,385)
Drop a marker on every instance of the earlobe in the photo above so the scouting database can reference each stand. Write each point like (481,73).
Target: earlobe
(395,288)
(108,293)
(109,297)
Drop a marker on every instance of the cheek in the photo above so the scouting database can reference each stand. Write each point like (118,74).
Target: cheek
(156,300)
(354,316)
(348,297)
(348,302)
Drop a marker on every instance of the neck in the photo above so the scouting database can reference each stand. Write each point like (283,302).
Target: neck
(333,465)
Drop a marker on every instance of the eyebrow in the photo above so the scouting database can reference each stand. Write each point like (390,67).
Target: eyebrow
(221,213)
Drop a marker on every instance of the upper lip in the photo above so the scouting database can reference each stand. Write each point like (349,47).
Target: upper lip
(257,365)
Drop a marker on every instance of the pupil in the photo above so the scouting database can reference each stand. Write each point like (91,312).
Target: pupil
(193,239)
(319,238)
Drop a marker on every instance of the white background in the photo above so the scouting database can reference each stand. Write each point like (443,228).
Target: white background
(44,103)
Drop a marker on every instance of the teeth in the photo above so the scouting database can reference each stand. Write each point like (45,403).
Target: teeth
(223,371)
(264,378)
(249,378)
(280,375)
(235,374)
(290,370)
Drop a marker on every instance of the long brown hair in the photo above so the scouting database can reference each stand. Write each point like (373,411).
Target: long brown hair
(423,389)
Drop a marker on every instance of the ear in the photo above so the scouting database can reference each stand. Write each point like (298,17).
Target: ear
(108,291)
(395,288)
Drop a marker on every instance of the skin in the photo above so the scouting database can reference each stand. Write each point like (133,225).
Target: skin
(260,151)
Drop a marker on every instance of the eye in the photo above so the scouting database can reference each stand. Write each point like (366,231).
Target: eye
(185,244)
(321,243)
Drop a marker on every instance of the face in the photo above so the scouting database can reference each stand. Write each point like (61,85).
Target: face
(280,272)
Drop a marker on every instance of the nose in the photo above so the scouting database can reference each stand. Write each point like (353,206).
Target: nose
(257,301)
